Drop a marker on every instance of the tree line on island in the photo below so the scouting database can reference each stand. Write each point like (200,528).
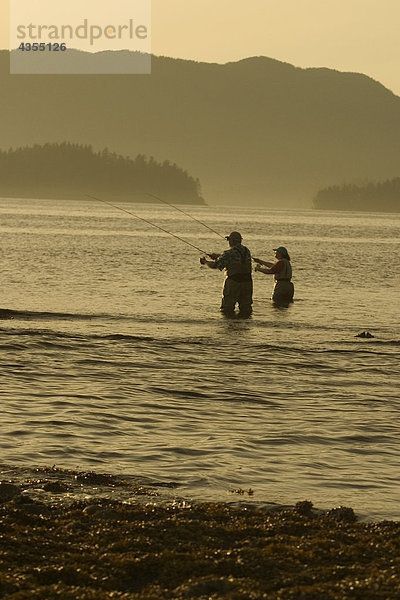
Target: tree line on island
(381,196)
(68,170)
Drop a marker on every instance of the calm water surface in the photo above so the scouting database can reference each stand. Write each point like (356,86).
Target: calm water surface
(114,355)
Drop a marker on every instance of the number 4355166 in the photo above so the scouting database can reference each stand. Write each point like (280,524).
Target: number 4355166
(42,46)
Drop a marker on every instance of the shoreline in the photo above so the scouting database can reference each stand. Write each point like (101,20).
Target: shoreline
(55,546)
(81,197)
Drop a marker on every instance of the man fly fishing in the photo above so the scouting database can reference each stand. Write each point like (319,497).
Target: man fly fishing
(238,285)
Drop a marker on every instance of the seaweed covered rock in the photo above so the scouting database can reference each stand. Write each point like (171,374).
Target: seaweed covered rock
(8,491)
(342,513)
(304,507)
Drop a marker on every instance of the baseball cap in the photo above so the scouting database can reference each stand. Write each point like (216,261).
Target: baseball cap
(282,250)
(234,236)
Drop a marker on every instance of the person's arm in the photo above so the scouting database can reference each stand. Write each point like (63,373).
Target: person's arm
(262,270)
(220,263)
(209,263)
(274,268)
(263,262)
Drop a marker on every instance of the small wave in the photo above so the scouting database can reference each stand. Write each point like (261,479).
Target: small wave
(276,348)
(7,314)
(367,350)
(123,336)
(23,315)
(385,342)
(176,392)
(48,333)
(36,333)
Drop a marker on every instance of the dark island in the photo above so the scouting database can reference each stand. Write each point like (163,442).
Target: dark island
(71,171)
(373,197)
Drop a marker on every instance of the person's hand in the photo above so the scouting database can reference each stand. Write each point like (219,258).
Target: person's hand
(203,260)
(214,256)
(257,268)
(257,260)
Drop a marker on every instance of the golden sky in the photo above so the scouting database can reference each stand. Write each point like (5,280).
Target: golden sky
(348,35)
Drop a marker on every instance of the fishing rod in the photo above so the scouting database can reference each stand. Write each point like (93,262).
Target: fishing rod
(148,222)
(183,212)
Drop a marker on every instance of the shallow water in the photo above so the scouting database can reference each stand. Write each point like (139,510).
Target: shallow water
(114,355)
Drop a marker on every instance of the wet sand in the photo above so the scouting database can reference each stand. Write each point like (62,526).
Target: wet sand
(99,548)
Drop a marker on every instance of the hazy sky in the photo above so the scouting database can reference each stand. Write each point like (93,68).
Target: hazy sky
(348,35)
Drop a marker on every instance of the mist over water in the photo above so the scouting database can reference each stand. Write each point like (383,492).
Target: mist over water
(114,355)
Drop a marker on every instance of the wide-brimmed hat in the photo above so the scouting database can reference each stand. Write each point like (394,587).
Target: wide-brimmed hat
(282,250)
(234,236)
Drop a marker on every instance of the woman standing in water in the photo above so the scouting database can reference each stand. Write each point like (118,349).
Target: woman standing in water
(282,271)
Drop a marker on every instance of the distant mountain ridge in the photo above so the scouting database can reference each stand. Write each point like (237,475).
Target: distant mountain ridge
(257,130)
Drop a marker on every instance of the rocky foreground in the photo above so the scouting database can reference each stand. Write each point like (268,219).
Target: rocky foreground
(104,549)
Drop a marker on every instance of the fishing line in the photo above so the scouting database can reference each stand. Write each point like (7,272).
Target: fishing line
(148,222)
(185,213)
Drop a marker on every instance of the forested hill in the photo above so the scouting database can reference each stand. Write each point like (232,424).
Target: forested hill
(374,197)
(70,171)
(254,131)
